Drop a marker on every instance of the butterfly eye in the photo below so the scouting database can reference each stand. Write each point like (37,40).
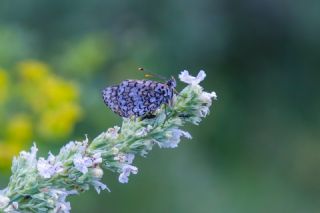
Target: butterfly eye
(172,83)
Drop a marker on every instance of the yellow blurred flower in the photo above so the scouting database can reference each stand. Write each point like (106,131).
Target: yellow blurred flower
(19,128)
(32,70)
(58,91)
(8,149)
(53,99)
(42,89)
(4,84)
(59,122)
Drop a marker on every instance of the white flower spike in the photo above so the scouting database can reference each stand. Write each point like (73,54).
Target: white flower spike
(44,184)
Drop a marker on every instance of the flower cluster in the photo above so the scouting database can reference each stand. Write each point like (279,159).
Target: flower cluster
(126,167)
(43,185)
(50,167)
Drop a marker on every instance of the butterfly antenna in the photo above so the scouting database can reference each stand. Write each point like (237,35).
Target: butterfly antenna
(149,74)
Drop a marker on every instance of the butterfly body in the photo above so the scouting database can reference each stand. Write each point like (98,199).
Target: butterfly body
(138,97)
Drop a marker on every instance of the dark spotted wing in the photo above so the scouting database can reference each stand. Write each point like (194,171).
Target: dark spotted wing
(137,97)
(141,97)
(110,98)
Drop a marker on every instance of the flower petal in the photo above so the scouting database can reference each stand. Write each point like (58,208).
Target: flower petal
(189,79)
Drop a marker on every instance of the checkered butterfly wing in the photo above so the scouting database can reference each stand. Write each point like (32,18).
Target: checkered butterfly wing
(136,97)
(110,98)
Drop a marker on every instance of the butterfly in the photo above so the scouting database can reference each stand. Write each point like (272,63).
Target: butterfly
(138,98)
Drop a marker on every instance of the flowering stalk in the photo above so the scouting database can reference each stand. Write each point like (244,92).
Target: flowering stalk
(42,185)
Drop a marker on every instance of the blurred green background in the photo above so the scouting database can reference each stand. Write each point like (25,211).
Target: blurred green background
(258,151)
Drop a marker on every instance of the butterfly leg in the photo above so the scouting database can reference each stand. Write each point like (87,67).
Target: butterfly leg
(148,116)
(167,115)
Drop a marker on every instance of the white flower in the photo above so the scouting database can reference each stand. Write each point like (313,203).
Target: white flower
(124,158)
(48,168)
(126,171)
(12,208)
(74,146)
(129,158)
(206,97)
(60,195)
(174,138)
(62,207)
(82,163)
(204,111)
(44,168)
(98,186)
(4,201)
(112,132)
(126,168)
(189,79)
(30,157)
(71,146)
(96,158)
(143,131)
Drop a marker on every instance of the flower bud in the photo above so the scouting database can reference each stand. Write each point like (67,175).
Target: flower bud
(97,172)
(4,201)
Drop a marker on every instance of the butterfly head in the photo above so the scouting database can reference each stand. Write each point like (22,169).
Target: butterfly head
(171,83)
